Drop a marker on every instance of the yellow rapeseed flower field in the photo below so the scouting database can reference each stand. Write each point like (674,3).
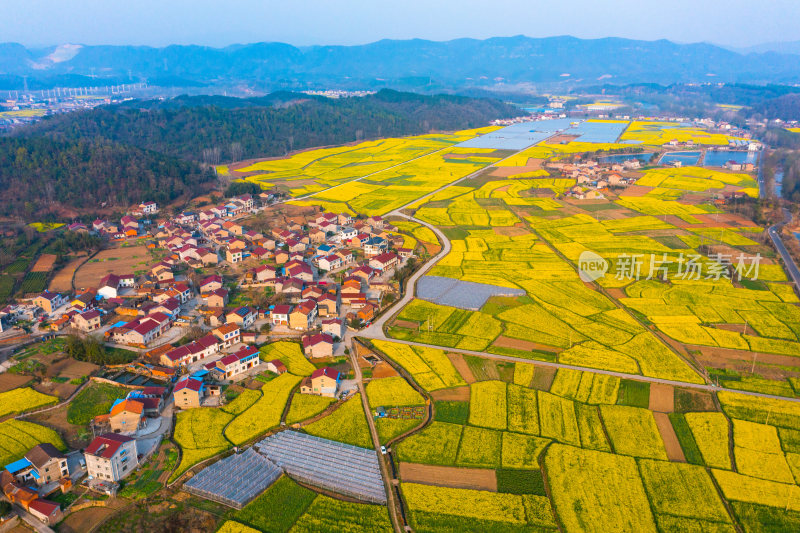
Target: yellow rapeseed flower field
(23,399)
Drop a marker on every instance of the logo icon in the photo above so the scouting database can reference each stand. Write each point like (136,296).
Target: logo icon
(591,266)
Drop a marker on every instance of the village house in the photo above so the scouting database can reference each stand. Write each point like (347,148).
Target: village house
(87,321)
(303,315)
(49,301)
(263,273)
(216,298)
(196,350)
(322,382)
(318,345)
(384,262)
(330,262)
(162,273)
(334,327)
(46,511)
(43,464)
(367,313)
(375,246)
(148,208)
(276,366)
(243,316)
(237,363)
(126,416)
(233,255)
(210,283)
(140,331)
(327,305)
(228,334)
(111,457)
(279,316)
(188,392)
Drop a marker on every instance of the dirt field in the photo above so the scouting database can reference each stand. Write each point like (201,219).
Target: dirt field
(406,324)
(85,519)
(457,394)
(517,344)
(12,381)
(44,263)
(720,357)
(70,368)
(448,476)
(671,443)
(458,361)
(114,261)
(57,420)
(383,370)
(616,293)
(62,281)
(61,390)
(662,398)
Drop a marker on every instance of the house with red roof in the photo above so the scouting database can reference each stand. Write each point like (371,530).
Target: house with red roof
(111,457)
(384,262)
(280,315)
(318,345)
(188,392)
(276,366)
(192,352)
(210,283)
(322,382)
(46,511)
(234,364)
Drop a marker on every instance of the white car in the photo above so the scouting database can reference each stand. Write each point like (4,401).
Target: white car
(383,450)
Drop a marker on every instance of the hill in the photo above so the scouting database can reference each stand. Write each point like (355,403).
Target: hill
(215,129)
(420,64)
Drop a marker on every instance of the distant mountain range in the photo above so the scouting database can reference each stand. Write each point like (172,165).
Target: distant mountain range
(418,64)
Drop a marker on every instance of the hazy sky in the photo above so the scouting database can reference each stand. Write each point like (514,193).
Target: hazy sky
(304,22)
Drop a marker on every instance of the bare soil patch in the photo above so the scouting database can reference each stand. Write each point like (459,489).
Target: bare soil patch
(720,357)
(518,344)
(406,324)
(70,368)
(636,190)
(61,390)
(44,263)
(456,394)
(85,519)
(671,443)
(738,328)
(510,231)
(616,293)
(449,476)
(12,381)
(57,420)
(506,172)
(113,261)
(662,398)
(62,281)
(463,368)
(383,370)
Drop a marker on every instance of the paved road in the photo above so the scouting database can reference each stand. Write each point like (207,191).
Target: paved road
(775,235)
(376,441)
